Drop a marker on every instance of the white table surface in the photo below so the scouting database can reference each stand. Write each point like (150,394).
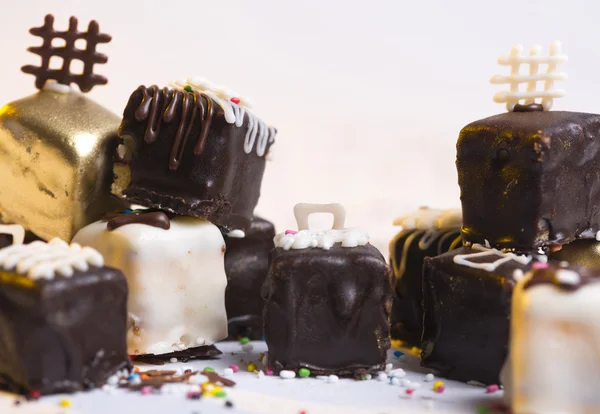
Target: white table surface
(273,394)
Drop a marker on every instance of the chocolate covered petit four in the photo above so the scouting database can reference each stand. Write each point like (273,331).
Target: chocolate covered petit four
(63,318)
(175,270)
(194,150)
(554,363)
(530,178)
(425,232)
(328,299)
(466,304)
(56,146)
(246,266)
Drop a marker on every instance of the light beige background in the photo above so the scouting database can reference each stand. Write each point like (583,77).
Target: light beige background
(368,96)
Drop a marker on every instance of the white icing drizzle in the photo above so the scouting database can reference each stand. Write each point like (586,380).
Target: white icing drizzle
(304,239)
(428,225)
(568,277)
(427,218)
(15,230)
(40,260)
(464,259)
(323,239)
(258,132)
(236,234)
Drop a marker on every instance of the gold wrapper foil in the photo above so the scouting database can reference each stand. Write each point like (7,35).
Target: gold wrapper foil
(56,162)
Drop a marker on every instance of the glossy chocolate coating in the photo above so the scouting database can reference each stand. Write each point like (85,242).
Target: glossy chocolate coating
(62,334)
(580,252)
(246,266)
(407,253)
(186,159)
(328,310)
(530,179)
(549,275)
(466,316)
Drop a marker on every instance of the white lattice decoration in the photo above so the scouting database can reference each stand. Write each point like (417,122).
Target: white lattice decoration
(515,60)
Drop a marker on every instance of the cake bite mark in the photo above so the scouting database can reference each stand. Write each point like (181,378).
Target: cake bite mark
(515,59)
(69,52)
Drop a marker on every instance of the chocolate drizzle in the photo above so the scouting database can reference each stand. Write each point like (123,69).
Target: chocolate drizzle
(154,218)
(532,107)
(162,106)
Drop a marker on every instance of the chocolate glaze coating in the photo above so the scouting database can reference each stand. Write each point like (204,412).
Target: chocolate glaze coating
(328,310)
(550,276)
(62,334)
(466,320)
(406,260)
(246,266)
(530,179)
(192,164)
(580,252)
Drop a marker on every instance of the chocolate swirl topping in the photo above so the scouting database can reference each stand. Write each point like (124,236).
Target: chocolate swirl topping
(163,105)
(154,218)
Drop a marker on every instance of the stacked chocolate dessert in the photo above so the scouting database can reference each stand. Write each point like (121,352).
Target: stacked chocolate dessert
(194,156)
(529,185)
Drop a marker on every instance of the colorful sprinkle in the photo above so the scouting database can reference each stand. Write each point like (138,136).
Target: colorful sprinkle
(429,378)
(259,374)
(220,394)
(437,384)
(227,372)
(208,369)
(492,388)
(483,409)
(247,347)
(440,389)
(409,391)
(268,371)
(382,376)
(539,265)
(234,367)
(287,374)
(146,390)
(304,372)
(398,354)
(394,380)
(173,360)
(291,232)
(34,394)
(332,379)
(194,395)
(228,404)
(235,100)
(187,88)
(251,367)
(244,340)
(65,403)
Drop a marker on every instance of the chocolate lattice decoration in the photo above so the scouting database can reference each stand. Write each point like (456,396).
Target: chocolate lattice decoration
(88,56)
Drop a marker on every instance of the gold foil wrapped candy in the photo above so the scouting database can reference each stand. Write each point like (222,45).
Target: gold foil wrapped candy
(56,152)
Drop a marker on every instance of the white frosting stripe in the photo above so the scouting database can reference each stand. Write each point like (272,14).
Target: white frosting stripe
(465,259)
(44,260)
(325,239)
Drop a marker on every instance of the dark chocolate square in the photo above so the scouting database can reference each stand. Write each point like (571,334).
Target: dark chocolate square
(530,179)
(328,310)
(407,253)
(466,316)
(194,163)
(246,266)
(62,334)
